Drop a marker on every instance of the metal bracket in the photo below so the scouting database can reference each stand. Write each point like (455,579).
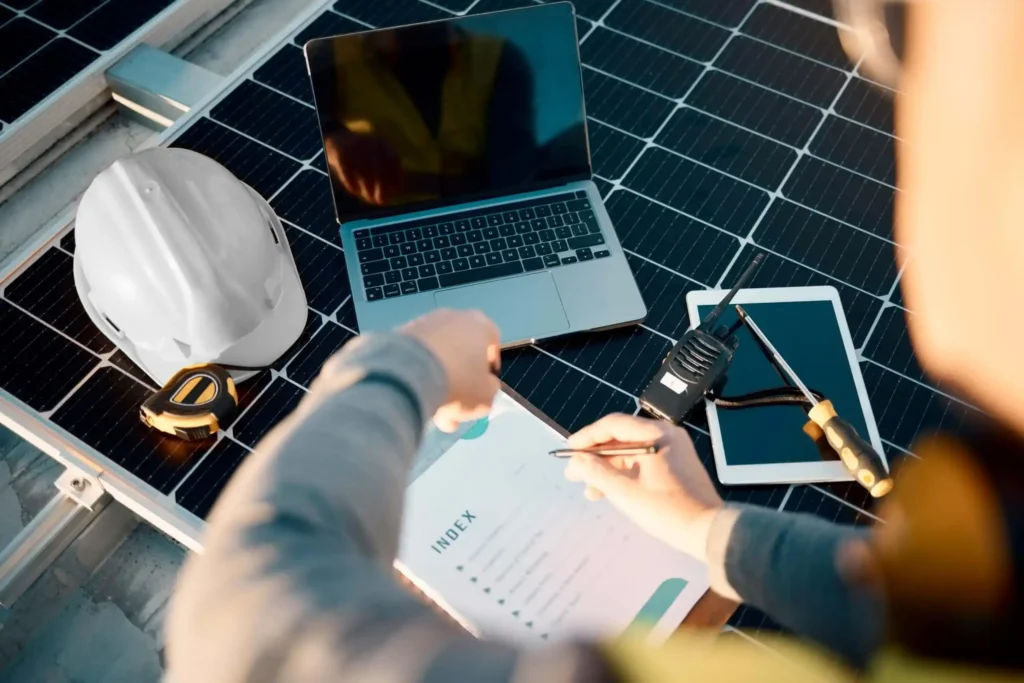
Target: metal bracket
(156,88)
(81,488)
(79,500)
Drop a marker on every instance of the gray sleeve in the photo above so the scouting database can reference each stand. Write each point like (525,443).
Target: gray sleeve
(295,581)
(785,565)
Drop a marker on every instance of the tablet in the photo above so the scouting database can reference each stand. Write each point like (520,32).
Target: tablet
(767,444)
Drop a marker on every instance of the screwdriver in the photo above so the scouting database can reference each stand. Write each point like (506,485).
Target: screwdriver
(863,462)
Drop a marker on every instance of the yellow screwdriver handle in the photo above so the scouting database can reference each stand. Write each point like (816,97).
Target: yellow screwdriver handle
(863,462)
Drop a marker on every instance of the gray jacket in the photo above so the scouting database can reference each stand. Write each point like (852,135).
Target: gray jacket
(295,582)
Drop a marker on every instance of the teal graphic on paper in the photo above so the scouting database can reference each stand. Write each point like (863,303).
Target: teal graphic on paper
(659,602)
(476,430)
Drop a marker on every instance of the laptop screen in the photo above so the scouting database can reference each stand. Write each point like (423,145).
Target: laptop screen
(450,111)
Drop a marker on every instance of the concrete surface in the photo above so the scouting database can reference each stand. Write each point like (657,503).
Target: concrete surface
(96,615)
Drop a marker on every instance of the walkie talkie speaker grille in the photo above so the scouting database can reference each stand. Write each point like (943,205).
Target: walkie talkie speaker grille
(696,364)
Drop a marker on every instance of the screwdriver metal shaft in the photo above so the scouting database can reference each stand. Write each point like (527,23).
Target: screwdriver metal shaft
(776,355)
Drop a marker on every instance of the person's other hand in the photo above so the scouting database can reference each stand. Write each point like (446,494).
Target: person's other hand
(467,344)
(668,494)
(367,166)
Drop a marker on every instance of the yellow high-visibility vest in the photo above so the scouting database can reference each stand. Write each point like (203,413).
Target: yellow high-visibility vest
(376,103)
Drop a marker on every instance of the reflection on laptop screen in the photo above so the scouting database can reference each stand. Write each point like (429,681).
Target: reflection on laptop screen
(449,111)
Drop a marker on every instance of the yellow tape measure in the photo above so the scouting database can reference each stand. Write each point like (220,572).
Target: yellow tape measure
(193,404)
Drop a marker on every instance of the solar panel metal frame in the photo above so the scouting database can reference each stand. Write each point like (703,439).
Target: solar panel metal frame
(842,502)
(67,449)
(31,134)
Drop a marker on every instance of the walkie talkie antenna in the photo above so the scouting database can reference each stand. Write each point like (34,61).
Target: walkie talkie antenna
(716,313)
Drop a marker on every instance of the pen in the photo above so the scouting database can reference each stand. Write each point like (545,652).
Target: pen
(609,450)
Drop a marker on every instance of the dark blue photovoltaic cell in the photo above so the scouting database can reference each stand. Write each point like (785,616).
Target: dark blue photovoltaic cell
(47,291)
(857,148)
(781,71)
(761,110)
(322,270)
(611,151)
(828,246)
(280,122)
(697,191)
(307,363)
(499,5)
(33,79)
(776,271)
(276,402)
(198,493)
(802,35)
(729,13)
(669,238)
(306,202)
(665,296)
(570,397)
(603,186)
(867,103)
(115,21)
(639,63)
(842,194)
(104,413)
(728,148)
(591,9)
(38,365)
(286,72)
(890,344)
(671,30)
(904,409)
(624,358)
(260,167)
(19,39)
(60,14)
(389,13)
(328,24)
(622,105)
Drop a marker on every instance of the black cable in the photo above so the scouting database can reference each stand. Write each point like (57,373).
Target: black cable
(781,396)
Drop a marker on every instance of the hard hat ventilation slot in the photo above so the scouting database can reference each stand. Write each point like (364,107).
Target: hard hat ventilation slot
(186,350)
(273,233)
(111,323)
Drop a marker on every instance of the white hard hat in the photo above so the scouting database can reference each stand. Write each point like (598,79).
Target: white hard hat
(178,262)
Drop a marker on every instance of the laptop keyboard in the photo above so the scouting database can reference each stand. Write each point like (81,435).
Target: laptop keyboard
(483,244)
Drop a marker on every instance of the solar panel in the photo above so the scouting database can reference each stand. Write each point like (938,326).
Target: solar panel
(717,130)
(44,43)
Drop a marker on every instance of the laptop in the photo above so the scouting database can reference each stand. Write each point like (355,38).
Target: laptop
(460,172)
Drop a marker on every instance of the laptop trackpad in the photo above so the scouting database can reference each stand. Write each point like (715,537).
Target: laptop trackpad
(525,307)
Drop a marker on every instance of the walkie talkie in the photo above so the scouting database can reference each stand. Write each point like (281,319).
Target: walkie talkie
(697,363)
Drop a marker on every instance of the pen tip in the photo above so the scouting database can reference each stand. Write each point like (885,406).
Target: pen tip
(740,311)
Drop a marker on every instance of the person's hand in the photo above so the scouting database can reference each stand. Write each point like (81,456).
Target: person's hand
(668,494)
(367,166)
(467,344)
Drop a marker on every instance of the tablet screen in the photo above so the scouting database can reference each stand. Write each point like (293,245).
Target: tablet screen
(807,335)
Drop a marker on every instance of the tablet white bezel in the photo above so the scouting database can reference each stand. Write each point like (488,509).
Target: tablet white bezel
(796,472)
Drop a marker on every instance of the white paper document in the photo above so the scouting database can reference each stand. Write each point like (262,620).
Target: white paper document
(495,533)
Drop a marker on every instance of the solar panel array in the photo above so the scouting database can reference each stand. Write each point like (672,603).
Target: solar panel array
(45,43)
(717,129)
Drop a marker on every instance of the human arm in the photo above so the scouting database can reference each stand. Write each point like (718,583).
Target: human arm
(784,564)
(295,578)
